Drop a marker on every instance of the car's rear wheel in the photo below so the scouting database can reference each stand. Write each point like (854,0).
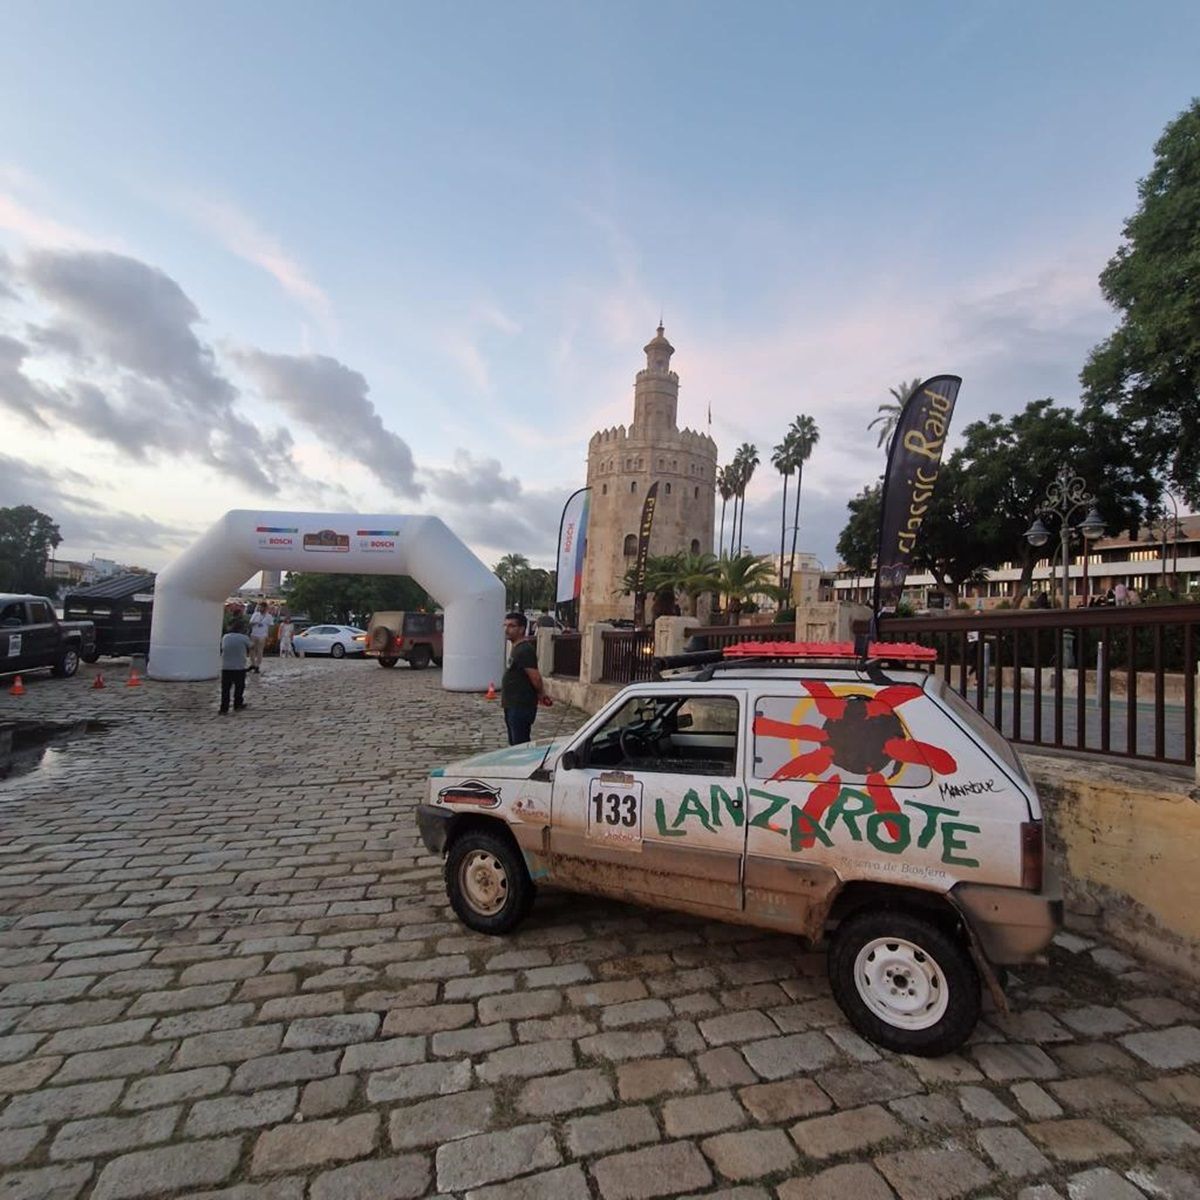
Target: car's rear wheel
(420,658)
(67,665)
(904,982)
(90,656)
(388,662)
(487,882)
(337,650)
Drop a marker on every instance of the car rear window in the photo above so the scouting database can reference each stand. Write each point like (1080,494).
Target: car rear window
(979,726)
(420,623)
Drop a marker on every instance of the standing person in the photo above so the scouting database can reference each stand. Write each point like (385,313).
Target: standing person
(545,621)
(1120,593)
(235,645)
(286,629)
(522,689)
(260,626)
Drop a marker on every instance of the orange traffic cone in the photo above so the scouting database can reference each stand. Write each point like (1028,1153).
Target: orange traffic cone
(134,680)
(18,687)
(491,692)
(98,682)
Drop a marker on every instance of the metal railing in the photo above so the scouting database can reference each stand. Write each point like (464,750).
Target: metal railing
(568,648)
(628,655)
(1113,681)
(717,637)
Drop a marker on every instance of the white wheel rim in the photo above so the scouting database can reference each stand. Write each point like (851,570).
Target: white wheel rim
(484,882)
(901,983)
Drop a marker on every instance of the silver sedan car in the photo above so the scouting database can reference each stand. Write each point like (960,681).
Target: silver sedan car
(335,640)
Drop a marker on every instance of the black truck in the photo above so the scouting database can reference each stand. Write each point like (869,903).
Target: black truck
(32,638)
(120,608)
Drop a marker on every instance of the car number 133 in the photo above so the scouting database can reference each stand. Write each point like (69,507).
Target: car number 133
(615,810)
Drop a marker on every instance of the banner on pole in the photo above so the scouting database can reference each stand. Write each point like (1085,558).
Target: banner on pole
(572,542)
(914,463)
(643,549)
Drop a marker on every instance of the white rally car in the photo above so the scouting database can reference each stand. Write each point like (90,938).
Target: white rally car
(788,792)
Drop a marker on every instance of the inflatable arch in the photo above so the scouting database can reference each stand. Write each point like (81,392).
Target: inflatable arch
(190,592)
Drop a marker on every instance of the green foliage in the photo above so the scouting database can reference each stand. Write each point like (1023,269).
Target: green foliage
(1147,374)
(858,542)
(27,538)
(350,599)
(889,411)
(741,576)
(525,586)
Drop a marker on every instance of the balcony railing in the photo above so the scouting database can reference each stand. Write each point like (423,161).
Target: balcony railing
(1113,681)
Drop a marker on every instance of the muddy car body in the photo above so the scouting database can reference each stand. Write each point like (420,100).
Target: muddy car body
(802,799)
(412,637)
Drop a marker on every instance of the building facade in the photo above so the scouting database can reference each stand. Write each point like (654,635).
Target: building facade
(622,465)
(1163,556)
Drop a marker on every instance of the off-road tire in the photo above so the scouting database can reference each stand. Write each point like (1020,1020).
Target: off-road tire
(420,658)
(943,959)
(388,661)
(337,650)
(494,856)
(67,665)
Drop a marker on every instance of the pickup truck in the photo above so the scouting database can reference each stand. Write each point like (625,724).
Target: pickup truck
(32,638)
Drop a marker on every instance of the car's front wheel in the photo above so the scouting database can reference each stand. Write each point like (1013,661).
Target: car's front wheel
(337,650)
(904,982)
(388,662)
(487,882)
(67,665)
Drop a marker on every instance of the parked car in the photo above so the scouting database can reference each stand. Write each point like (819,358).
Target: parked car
(32,638)
(335,640)
(415,637)
(794,795)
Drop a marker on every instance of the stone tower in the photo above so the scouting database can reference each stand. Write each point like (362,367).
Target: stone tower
(622,464)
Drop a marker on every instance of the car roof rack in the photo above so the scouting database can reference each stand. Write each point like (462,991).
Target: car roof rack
(789,655)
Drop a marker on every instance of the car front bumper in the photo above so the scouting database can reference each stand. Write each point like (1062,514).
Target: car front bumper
(433,824)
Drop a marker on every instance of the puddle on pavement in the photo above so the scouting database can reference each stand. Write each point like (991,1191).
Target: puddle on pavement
(27,745)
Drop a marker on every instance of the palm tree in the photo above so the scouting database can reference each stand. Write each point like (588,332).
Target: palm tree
(511,570)
(804,435)
(696,575)
(739,577)
(747,459)
(725,486)
(783,459)
(889,413)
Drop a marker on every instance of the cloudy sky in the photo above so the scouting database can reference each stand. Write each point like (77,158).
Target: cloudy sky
(404,256)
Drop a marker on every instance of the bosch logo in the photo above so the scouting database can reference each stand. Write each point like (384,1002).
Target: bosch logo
(279,541)
(376,545)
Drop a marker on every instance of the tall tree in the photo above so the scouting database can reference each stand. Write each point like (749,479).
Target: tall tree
(350,599)
(1147,374)
(890,410)
(511,570)
(747,460)
(27,539)
(783,459)
(725,487)
(804,435)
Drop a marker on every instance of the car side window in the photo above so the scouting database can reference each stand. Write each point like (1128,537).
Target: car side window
(39,613)
(13,614)
(670,734)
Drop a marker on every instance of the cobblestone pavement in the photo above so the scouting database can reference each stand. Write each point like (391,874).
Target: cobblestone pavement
(227,969)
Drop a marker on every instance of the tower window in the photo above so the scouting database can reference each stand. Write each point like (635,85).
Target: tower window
(633,485)
(696,494)
(604,489)
(661,461)
(668,489)
(695,545)
(630,545)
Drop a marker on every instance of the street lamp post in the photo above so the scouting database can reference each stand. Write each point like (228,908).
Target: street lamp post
(1065,496)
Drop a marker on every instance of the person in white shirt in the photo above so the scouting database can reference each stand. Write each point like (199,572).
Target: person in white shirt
(260,626)
(286,649)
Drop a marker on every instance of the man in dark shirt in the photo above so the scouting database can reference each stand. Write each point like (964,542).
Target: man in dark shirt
(522,689)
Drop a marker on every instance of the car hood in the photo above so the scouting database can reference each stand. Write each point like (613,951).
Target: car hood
(509,762)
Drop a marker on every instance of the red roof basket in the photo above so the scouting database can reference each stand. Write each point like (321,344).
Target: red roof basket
(879,651)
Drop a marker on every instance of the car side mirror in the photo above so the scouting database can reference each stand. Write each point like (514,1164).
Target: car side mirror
(569,760)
